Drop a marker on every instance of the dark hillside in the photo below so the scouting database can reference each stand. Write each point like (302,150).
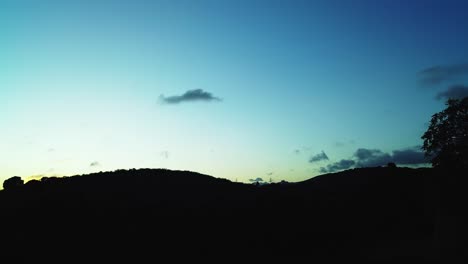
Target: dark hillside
(365,214)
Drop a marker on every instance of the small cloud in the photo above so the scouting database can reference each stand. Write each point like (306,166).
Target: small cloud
(51,150)
(94,164)
(270,173)
(339,144)
(442,73)
(453,92)
(256,180)
(318,157)
(337,166)
(165,154)
(297,151)
(190,96)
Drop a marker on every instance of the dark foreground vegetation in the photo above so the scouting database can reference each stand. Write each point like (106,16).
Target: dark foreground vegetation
(378,214)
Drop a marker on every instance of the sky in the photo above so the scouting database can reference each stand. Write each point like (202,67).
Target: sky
(277,90)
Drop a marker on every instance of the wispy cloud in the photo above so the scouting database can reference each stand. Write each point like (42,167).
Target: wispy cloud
(190,96)
(165,154)
(339,144)
(453,92)
(442,73)
(94,164)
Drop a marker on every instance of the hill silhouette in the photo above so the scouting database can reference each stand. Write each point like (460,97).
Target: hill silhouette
(376,214)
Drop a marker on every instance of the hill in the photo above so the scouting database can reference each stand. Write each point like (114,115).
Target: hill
(377,214)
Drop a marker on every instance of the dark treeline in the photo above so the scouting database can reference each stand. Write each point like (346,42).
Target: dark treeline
(377,214)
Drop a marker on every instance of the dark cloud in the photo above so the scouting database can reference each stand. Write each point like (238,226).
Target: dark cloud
(371,157)
(363,153)
(453,92)
(409,156)
(190,96)
(442,73)
(374,158)
(256,180)
(94,164)
(337,166)
(318,157)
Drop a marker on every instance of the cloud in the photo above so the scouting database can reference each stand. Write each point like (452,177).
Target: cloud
(364,157)
(453,92)
(94,164)
(442,73)
(190,96)
(165,154)
(297,151)
(375,157)
(371,157)
(256,180)
(340,165)
(339,144)
(409,156)
(363,153)
(318,157)
(270,173)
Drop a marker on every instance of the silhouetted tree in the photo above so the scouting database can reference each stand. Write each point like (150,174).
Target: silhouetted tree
(446,139)
(12,183)
(391,165)
(446,143)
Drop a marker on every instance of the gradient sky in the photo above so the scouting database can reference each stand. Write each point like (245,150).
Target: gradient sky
(233,89)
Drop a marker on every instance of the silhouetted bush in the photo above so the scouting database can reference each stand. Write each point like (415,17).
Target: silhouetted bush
(12,183)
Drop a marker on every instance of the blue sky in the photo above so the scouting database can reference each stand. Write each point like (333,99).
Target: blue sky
(271,89)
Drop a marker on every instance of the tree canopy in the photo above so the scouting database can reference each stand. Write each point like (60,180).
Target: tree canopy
(12,183)
(446,139)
